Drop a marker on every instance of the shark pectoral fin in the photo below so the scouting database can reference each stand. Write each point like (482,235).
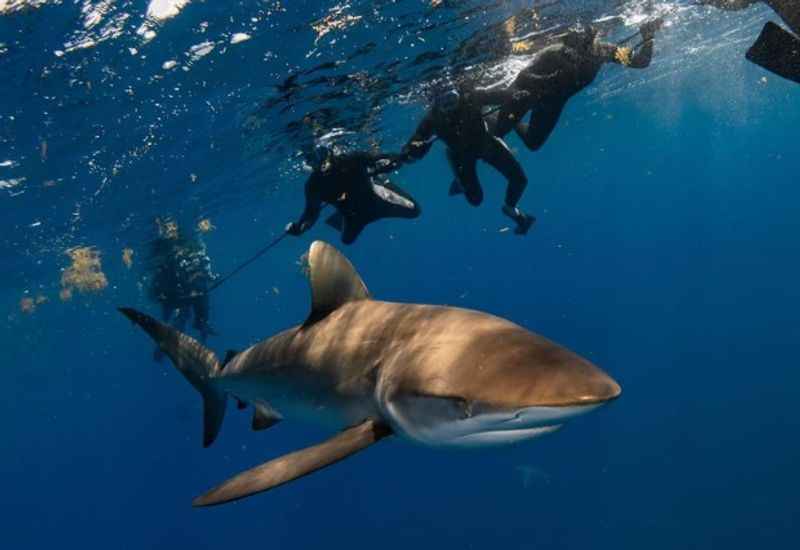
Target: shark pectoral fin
(297,464)
(334,281)
(264,416)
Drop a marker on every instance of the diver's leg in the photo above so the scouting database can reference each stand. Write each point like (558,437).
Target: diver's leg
(541,124)
(201,307)
(465,168)
(511,112)
(497,154)
(182,318)
(455,185)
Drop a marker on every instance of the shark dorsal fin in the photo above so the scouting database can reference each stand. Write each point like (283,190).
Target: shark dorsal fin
(334,281)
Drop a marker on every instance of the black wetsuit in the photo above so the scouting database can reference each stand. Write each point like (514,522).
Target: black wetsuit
(468,140)
(351,183)
(557,73)
(180,281)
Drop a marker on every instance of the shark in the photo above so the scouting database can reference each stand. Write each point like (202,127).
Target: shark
(369,369)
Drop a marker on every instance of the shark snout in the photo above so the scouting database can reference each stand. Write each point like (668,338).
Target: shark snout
(602,389)
(573,383)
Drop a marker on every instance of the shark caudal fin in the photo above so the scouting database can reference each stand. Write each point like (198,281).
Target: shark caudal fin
(195,362)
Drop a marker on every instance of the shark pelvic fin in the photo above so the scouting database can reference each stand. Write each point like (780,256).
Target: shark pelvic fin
(297,464)
(264,416)
(334,281)
(195,362)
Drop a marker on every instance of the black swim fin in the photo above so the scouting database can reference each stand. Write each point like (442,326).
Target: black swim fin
(524,224)
(335,220)
(778,51)
(455,189)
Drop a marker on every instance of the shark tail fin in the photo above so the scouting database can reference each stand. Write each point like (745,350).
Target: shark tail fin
(194,361)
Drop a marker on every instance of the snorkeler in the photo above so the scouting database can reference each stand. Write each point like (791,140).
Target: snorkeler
(557,73)
(354,184)
(456,117)
(180,279)
(776,49)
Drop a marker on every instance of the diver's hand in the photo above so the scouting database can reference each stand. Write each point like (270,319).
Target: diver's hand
(417,149)
(648,30)
(294,228)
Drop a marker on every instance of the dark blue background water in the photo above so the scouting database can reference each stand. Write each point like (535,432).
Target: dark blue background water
(666,252)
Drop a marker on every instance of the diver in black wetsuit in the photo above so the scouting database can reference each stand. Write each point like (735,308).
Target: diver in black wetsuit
(354,185)
(776,50)
(180,278)
(557,73)
(457,119)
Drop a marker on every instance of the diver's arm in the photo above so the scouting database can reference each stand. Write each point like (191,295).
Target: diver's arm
(634,58)
(638,57)
(611,53)
(312,210)
(642,56)
(421,142)
(381,163)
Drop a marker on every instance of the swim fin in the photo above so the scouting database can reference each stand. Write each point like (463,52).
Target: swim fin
(778,51)
(524,224)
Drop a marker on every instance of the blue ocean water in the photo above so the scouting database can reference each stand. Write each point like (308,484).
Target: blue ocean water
(665,252)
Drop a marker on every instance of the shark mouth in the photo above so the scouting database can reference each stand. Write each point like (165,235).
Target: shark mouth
(445,422)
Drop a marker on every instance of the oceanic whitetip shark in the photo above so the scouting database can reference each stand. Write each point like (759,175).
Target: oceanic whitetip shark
(432,374)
